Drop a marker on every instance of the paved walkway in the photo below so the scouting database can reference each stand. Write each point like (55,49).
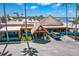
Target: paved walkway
(53,48)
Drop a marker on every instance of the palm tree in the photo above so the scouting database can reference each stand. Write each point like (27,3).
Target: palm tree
(75,29)
(66,17)
(4,11)
(75,22)
(0,23)
(21,14)
(30,51)
(26,25)
(6,20)
(40,17)
(16,13)
(8,16)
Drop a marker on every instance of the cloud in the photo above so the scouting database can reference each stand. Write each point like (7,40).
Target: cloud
(71,11)
(63,14)
(43,4)
(19,3)
(33,7)
(56,5)
(48,13)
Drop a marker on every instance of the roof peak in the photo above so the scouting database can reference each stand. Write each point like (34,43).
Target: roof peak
(50,16)
(50,20)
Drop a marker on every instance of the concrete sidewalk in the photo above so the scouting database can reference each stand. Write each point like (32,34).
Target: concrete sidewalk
(53,48)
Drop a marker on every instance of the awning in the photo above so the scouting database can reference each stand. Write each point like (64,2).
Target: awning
(10,28)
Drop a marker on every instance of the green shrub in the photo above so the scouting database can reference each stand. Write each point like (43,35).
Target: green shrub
(29,38)
(48,36)
(23,38)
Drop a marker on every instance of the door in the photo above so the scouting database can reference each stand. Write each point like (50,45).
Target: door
(40,36)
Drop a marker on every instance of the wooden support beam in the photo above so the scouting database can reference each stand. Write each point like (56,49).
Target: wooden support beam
(19,34)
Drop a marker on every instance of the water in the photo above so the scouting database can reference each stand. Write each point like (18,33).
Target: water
(63,19)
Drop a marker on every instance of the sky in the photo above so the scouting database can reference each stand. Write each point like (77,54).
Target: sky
(37,9)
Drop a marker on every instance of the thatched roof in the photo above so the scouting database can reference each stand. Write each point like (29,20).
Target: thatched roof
(51,21)
(36,26)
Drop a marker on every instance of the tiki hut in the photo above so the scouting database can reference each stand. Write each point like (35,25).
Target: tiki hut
(38,28)
(50,21)
(39,32)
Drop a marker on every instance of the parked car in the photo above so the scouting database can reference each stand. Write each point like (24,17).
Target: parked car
(57,37)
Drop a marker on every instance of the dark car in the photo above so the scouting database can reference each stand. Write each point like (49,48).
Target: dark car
(57,37)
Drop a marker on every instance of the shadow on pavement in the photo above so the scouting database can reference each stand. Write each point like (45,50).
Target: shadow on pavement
(30,52)
(11,42)
(41,41)
(3,53)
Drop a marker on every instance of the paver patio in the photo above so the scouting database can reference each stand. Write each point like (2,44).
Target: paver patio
(53,48)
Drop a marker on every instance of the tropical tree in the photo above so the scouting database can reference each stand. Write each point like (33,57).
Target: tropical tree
(75,23)
(8,16)
(4,11)
(16,13)
(30,51)
(21,14)
(38,17)
(76,20)
(0,24)
(26,25)
(66,4)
